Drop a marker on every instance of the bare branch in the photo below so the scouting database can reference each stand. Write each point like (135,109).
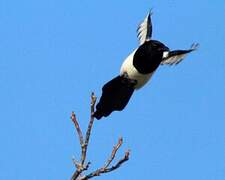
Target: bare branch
(88,133)
(115,149)
(120,162)
(82,166)
(74,119)
(103,170)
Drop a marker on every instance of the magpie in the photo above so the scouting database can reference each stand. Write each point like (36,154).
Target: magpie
(137,69)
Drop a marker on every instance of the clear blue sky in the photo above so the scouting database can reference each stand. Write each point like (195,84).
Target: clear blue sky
(54,53)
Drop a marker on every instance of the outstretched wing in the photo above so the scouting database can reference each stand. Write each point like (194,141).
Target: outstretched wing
(144,30)
(175,57)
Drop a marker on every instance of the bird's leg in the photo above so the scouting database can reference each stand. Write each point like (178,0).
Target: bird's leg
(128,81)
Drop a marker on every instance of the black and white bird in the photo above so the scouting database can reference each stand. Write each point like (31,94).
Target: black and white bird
(137,69)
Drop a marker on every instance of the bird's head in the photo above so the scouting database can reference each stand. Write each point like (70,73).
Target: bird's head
(158,46)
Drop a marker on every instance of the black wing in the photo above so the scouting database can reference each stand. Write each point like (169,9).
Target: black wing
(175,57)
(144,30)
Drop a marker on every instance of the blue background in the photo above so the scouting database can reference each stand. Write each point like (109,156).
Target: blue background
(54,53)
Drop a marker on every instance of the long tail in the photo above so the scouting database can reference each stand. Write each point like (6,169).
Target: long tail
(115,96)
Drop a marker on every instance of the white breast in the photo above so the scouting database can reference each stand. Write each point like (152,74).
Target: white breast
(127,67)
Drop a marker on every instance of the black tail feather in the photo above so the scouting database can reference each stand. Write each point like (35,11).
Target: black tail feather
(115,96)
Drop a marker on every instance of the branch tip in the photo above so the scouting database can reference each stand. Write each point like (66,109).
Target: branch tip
(81,166)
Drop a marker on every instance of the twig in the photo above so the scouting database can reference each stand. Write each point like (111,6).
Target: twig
(120,162)
(81,166)
(88,133)
(115,149)
(105,168)
(79,132)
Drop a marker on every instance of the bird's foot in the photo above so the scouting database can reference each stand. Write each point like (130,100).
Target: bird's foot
(128,81)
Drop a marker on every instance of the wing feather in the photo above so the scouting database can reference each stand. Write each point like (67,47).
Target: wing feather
(144,30)
(175,57)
